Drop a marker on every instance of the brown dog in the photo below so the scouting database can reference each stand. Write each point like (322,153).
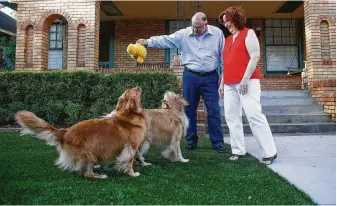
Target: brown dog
(165,128)
(95,141)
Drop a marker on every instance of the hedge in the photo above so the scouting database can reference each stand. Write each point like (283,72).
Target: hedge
(64,98)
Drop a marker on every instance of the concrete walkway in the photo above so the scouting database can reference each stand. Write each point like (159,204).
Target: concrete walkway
(307,161)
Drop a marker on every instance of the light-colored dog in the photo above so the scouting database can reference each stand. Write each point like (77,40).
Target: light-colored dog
(165,128)
(95,141)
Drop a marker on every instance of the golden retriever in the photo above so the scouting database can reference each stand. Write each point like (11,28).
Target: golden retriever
(165,128)
(95,141)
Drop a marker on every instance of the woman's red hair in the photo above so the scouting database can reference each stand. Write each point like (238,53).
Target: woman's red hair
(234,14)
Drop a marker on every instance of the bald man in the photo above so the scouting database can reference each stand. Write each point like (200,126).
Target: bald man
(200,46)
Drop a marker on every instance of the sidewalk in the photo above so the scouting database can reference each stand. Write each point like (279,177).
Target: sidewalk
(307,161)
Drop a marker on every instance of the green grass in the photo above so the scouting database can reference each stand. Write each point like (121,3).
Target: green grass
(28,176)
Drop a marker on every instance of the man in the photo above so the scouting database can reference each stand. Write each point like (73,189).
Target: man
(200,46)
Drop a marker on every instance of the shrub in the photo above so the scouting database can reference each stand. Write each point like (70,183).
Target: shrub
(64,98)
(7,53)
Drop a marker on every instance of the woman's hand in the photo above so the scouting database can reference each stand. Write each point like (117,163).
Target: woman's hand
(243,88)
(220,90)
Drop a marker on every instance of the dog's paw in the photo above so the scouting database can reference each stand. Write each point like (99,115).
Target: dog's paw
(102,177)
(96,166)
(136,174)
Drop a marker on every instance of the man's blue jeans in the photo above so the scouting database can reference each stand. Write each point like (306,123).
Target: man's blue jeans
(206,86)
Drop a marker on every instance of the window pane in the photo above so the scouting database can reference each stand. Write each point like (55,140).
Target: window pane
(277,40)
(269,31)
(52,44)
(292,40)
(293,32)
(59,32)
(285,40)
(53,28)
(52,36)
(277,31)
(269,23)
(58,37)
(293,23)
(285,32)
(59,45)
(285,23)
(281,57)
(277,23)
(269,40)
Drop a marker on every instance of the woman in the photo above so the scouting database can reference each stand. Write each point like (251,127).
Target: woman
(240,86)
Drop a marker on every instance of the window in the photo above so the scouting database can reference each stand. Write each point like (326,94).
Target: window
(281,41)
(81,37)
(56,53)
(29,44)
(172,27)
(56,36)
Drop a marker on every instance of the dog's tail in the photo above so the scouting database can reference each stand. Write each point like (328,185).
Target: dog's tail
(35,126)
(123,160)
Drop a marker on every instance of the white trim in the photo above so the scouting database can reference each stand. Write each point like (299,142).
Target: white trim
(7,32)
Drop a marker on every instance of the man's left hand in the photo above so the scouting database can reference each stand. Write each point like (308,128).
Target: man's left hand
(243,88)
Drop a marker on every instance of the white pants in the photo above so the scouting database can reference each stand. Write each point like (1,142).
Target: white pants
(250,102)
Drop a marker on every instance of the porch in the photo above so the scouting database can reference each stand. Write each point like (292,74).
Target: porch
(278,24)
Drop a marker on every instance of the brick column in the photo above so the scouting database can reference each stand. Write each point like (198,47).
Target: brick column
(320,36)
(320,28)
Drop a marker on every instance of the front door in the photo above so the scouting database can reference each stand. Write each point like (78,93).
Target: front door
(106,44)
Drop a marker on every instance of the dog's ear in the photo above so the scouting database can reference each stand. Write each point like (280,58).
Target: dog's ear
(121,100)
(185,102)
(132,105)
(120,103)
(182,100)
(138,89)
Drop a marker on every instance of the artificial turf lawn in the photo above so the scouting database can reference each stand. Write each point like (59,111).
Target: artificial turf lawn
(28,176)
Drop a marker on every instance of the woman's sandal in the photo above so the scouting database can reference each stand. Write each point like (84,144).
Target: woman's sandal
(236,157)
(269,160)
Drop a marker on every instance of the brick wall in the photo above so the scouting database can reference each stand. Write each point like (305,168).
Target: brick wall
(128,32)
(281,82)
(325,93)
(40,14)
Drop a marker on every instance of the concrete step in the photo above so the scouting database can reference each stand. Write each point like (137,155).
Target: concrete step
(303,109)
(283,101)
(291,128)
(290,93)
(292,118)
(287,101)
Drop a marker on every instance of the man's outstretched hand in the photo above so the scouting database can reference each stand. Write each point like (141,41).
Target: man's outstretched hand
(142,42)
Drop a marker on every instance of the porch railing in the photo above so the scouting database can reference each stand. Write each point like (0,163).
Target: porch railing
(153,65)
(104,65)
